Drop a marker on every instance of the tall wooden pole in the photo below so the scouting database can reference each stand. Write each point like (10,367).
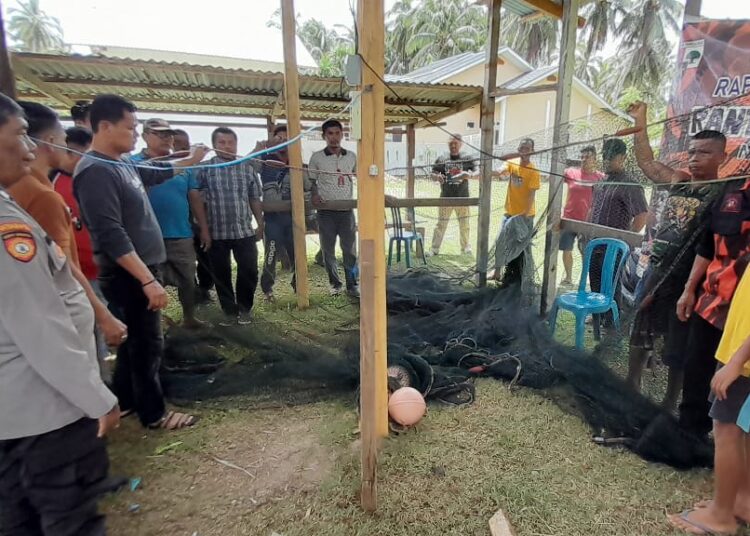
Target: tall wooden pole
(559,138)
(693,10)
(7,78)
(487,124)
(411,153)
(291,93)
(371,187)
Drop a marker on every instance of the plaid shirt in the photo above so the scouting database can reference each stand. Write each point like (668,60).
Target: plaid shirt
(727,244)
(228,192)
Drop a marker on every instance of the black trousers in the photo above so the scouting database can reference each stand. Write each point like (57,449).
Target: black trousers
(204,279)
(135,381)
(50,483)
(339,224)
(245,251)
(703,340)
(279,237)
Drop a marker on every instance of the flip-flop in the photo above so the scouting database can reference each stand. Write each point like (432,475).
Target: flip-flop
(694,524)
(705,503)
(168,422)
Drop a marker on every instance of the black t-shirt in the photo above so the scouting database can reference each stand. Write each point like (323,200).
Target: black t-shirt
(615,206)
(116,209)
(451,167)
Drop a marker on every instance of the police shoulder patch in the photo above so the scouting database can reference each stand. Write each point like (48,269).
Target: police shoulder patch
(18,240)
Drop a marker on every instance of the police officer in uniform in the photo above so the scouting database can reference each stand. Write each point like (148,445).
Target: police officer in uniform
(54,407)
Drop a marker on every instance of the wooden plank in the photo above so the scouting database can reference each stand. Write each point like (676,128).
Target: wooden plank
(592,230)
(371,186)
(500,526)
(559,139)
(554,9)
(487,125)
(286,206)
(368,396)
(453,110)
(411,152)
(291,90)
(501,92)
(51,90)
(693,10)
(7,79)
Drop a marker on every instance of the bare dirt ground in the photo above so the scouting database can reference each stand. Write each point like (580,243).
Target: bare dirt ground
(209,481)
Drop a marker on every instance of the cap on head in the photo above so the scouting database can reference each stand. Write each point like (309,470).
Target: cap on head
(157,125)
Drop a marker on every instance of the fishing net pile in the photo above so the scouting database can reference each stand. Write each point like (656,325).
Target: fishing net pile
(441,337)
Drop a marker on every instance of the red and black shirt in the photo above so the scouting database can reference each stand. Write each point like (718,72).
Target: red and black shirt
(727,244)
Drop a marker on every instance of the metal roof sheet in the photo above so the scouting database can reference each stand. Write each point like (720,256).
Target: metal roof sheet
(529,78)
(58,80)
(442,69)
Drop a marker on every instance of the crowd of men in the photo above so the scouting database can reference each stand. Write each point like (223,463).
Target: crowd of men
(91,233)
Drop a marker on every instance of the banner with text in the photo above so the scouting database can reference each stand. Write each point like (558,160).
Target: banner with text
(711,91)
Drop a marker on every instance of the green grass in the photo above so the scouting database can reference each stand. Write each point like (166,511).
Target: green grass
(513,450)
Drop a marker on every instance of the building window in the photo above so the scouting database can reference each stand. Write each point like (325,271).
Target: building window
(470,124)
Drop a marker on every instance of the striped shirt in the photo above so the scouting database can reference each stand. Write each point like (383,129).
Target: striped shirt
(324,168)
(228,192)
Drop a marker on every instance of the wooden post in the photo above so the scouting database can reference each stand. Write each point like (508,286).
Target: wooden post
(7,78)
(371,186)
(270,126)
(693,10)
(559,138)
(487,124)
(411,152)
(291,91)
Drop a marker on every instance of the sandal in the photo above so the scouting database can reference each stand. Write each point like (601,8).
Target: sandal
(173,420)
(683,523)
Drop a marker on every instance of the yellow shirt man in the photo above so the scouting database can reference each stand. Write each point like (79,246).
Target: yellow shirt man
(737,328)
(524,179)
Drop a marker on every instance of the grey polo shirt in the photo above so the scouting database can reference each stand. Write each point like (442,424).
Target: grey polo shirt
(331,172)
(49,375)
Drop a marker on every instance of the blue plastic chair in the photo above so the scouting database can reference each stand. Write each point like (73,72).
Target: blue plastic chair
(584,303)
(399,236)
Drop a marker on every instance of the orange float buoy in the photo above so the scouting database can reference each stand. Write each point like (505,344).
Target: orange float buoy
(406,406)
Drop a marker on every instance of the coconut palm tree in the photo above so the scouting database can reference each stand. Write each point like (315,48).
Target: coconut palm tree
(536,40)
(33,30)
(645,32)
(602,18)
(401,23)
(444,28)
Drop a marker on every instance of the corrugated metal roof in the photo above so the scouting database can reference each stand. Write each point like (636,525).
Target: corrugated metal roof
(57,80)
(442,69)
(529,78)
(519,7)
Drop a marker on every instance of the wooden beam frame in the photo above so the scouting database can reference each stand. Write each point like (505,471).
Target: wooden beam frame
(411,151)
(560,139)
(291,90)
(371,186)
(23,72)
(286,206)
(502,92)
(279,105)
(487,125)
(460,107)
(7,79)
(592,230)
(556,10)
